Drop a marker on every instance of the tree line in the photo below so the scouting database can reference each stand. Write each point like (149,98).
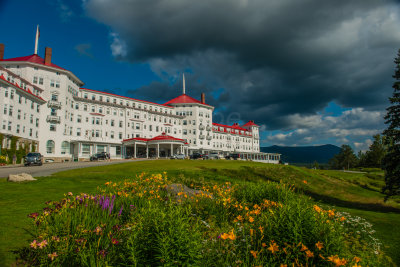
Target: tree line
(384,152)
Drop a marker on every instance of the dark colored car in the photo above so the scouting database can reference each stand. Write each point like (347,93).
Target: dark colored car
(196,156)
(33,158)
(98,156)
(234,156)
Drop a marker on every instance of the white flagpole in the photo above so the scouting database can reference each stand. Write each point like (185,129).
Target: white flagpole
(37,39)
(184,90)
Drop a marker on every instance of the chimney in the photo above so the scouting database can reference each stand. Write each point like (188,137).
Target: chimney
(1,51)
(203,98)
(47,56)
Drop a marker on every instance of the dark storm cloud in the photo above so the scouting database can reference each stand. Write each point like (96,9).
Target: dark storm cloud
(272,59)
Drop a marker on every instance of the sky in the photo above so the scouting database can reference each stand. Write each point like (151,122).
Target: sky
(309,72)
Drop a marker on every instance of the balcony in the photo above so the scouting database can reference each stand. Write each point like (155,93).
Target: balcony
(201,136)
(201,127)
(51,118)
(208,128)
(209,137)
(54,104)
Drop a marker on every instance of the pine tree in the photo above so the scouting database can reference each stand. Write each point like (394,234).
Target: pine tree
(391,161)
(346,158)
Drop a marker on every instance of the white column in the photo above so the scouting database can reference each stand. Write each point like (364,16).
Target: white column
(158,150)
(135,151)
(147,151)
(172,149)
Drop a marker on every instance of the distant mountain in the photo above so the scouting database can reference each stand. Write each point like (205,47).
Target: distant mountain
(304,154)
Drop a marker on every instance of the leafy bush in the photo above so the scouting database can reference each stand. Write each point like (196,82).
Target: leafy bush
(140,222)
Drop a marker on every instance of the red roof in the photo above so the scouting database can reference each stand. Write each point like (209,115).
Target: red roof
(234,126)
(162,137)
(33,59)
(183,99)
(250,123)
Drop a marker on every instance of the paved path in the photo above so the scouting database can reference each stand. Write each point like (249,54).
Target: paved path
(48,169)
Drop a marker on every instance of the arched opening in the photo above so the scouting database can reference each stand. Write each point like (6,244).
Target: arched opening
(50,147)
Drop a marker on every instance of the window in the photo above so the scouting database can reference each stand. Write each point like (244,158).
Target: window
(12,94)
(18,128)
(120,135)
(93,97)
(79,119)
(57,84)
(93,108)
(41,81)
(85,107)
(35,79)
(37,122)
(50,147)
(120,124)
(137,126)
(65,147)
(112,122)
(78,132)
(5,109)
(85,96)
(9,125)
(52,83)
(112,135)
(85,149)
(10,111)
(53,127)
(118,150)
(76,106)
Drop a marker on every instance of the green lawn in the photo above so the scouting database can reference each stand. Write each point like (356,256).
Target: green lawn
(355,193)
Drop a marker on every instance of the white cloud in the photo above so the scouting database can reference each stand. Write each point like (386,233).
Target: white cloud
(118,46)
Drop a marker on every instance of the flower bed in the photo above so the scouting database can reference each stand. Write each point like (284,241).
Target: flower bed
(139,222)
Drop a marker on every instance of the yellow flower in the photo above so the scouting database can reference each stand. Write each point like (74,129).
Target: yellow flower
(251,219)
(303,247)
(273,247)
(342,219)
(304,181)
(251,232)
(331,213)
(53,255)
(309,254)
(319,245)
(356,259)
(261,229)
(337,261)
(34,244)
(317,209)
(240,218)
(264,245)
(254,253)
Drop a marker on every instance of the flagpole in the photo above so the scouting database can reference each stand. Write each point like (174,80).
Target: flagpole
(183,81)
(37,40)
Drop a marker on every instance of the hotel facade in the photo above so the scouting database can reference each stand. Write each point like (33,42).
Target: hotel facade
(47,108)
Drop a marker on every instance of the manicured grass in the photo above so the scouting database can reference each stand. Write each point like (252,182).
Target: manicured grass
(348,191)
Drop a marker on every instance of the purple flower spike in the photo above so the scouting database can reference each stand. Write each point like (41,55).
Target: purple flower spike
(120,211)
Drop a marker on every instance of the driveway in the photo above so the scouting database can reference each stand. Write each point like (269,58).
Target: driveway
(48,169)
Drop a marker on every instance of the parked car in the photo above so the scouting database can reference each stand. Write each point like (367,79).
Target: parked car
(233,156)
(98,156)
(178,156)
(33,158)
(213,156)
(196,156)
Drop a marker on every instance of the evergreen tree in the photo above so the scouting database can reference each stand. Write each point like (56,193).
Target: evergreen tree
(391,161)
(346,158)
(376,153)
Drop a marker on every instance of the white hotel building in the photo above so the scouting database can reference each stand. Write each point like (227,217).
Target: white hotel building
(47,107)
